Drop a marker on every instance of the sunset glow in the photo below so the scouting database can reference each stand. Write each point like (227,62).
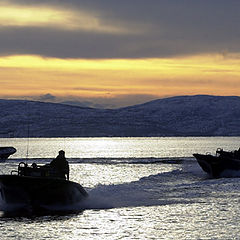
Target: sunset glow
(87,51)
(36,75)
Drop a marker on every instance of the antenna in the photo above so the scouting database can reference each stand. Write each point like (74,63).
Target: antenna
(27,140)
(28,130)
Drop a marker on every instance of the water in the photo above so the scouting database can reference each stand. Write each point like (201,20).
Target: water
(139,188)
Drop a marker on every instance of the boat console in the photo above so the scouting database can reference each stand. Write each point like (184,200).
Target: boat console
(37,171)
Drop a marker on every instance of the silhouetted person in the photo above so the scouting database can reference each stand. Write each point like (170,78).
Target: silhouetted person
(60,165)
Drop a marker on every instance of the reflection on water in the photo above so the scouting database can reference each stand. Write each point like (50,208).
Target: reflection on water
(119,147)
(135,201)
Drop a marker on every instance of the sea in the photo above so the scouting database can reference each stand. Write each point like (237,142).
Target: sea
(139,188)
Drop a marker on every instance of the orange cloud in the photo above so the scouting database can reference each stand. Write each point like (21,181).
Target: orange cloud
(204,74)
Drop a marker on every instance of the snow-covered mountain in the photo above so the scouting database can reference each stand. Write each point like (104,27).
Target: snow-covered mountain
(199,115)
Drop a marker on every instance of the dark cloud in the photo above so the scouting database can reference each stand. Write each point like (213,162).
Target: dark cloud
(160,28)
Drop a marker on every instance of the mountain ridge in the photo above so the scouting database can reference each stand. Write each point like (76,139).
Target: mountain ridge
(198,115)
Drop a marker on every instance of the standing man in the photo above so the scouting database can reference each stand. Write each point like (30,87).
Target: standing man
(60,165)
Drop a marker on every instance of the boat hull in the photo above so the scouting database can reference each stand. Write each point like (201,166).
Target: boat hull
(37,195)
(5,152)
(216,165)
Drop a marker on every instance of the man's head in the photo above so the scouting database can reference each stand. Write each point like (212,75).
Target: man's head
(61,152)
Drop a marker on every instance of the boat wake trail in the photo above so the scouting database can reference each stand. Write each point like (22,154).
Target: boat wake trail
(154,190)
(186,185)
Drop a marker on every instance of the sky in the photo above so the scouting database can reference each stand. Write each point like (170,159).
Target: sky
(111,53)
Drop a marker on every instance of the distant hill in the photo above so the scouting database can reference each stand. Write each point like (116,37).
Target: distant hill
(199,115)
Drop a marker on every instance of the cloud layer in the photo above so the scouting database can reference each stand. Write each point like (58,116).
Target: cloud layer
(119,29)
